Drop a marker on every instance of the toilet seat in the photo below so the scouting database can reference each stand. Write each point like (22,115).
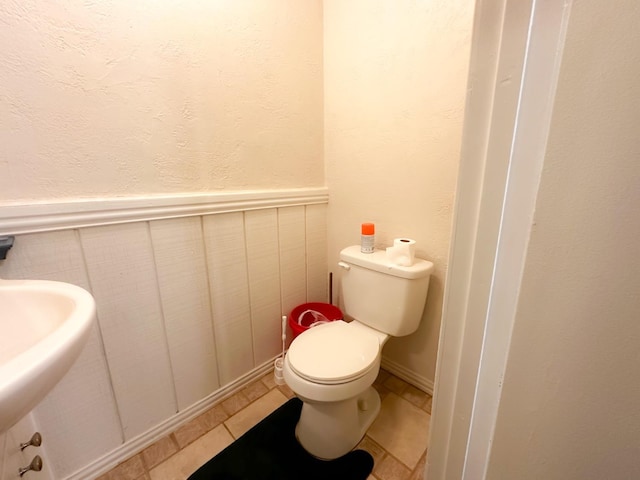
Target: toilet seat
(333,353)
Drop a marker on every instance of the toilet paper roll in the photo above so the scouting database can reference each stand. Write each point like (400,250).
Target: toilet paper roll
(403,252)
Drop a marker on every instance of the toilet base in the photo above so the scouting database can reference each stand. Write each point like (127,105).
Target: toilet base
(328,430)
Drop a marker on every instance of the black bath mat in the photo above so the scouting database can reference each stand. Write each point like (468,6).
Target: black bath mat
(270,451)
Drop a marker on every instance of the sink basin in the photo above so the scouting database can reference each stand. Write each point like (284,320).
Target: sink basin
(43,327)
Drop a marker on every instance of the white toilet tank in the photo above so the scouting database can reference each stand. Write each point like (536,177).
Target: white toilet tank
(384,296)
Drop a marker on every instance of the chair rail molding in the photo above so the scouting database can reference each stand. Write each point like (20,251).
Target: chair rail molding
(37,217)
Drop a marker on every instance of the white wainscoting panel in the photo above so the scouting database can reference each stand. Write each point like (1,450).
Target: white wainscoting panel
(123,278)
(178,248)
(62,417)
(227,266)
(21,432)
(264,288)
(316,245)
(12,459)
(3,460)
(189,290)
(293,273)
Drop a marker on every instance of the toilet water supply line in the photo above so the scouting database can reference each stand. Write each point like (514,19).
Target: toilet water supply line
(278,365)
(284,335)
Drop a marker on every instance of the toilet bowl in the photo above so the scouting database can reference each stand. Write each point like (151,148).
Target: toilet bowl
(331,368)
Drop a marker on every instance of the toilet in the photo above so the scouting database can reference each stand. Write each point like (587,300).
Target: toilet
(332,367)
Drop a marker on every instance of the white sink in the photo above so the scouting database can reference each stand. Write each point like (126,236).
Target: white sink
(43,327)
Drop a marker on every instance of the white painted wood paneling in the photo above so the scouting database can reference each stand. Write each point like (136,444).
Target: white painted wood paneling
(227,267)
(184,291)
(264,286)
(293,281)
(316,245)
(83,402)
(14,459)
(182,315)
(21,433)
(3,443)
(123,278)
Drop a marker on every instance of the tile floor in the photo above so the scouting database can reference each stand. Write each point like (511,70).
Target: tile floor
(397,440)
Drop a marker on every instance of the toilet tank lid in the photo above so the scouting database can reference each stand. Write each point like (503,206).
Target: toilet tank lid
(378,261)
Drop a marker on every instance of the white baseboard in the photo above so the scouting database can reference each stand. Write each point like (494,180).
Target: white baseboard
(418,381)
(137,444)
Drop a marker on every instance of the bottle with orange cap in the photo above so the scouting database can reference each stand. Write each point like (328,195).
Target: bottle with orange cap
(367,237)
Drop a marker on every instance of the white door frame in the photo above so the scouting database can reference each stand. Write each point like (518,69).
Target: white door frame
(515,62)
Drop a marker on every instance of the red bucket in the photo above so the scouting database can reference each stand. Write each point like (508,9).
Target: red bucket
(307,315)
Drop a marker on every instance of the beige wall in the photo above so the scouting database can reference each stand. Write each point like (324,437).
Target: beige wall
(569,407)
(128,98)
(114,99)
(395,76)
(109,99)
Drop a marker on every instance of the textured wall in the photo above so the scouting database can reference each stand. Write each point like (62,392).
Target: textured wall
(569,407)
(395,76)
(123,98)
